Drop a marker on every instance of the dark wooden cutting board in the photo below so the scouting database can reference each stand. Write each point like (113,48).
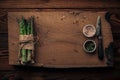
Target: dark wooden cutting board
(60,38)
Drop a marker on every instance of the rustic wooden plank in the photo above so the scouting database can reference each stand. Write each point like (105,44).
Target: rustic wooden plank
(70,74)
(4,63)
(59,4)
(3,40)
(115,23)
(116,36)
(76,75)
(3,22)
(58,38)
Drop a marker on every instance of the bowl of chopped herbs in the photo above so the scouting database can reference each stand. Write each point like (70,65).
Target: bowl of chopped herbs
(89,46)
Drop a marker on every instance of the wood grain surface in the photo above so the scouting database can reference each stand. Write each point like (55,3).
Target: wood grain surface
(59,4)
(35,73)
(60,38)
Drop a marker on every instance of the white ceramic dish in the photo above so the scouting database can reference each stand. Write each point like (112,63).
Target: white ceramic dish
(89,30)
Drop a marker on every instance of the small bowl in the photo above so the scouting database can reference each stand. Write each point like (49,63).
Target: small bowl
(89,46)
(89,30)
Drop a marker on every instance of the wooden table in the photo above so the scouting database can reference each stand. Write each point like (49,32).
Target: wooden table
(58,74)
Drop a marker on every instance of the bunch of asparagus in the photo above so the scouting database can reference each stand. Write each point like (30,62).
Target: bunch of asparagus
(26,30)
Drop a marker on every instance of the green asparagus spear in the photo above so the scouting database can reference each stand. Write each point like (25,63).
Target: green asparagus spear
(23,52)
(32,21)
(22,25)
(28,27)
(28,33)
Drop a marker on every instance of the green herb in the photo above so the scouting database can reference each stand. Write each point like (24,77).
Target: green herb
(90,46)
(29,31)
(22,24)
